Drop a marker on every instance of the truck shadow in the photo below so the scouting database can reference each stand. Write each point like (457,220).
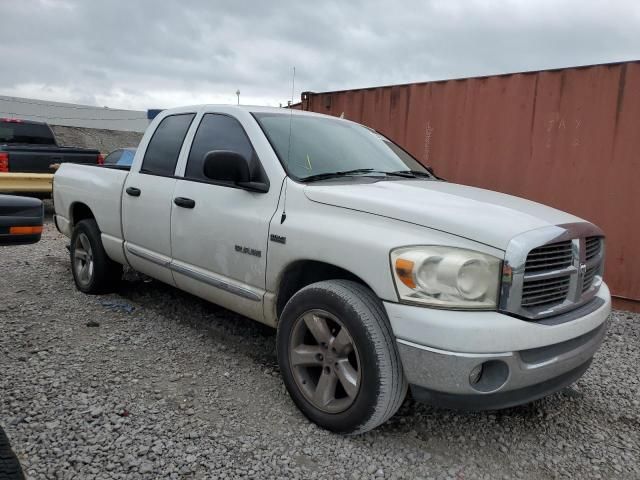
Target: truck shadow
(254,339)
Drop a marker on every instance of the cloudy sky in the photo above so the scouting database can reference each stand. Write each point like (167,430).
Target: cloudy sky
(151,53)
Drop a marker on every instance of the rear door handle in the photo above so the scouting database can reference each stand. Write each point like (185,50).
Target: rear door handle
(184,202)
(133,191)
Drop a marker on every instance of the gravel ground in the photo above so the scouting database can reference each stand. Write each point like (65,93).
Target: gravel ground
(154,383)
(104,140)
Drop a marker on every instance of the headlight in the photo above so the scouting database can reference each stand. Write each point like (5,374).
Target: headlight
(446,277)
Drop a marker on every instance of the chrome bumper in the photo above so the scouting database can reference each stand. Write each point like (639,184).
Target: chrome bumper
(492,381)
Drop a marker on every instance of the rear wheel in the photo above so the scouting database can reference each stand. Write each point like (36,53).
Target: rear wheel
(338,357)
(93,271)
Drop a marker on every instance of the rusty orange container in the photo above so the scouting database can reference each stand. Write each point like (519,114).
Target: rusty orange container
(569,138)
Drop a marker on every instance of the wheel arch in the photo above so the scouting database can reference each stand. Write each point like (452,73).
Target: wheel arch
(300,273)
(80,211)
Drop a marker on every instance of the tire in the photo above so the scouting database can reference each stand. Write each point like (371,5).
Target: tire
(370,385)
(10,468)
(93,271)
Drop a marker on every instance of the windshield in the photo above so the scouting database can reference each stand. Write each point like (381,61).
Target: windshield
(321,145)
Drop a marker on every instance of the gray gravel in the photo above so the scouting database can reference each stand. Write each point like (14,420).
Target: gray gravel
(104,140)
(154,383)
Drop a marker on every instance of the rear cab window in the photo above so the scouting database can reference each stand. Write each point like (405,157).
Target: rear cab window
(161,155)
(23,132)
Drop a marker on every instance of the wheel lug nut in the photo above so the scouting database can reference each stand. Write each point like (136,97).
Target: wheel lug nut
(319,357)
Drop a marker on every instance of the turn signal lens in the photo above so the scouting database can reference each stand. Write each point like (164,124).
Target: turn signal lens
(25,230)
(404,270)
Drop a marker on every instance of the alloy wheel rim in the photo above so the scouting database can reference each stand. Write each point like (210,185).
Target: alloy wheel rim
(324,361)
(83,259)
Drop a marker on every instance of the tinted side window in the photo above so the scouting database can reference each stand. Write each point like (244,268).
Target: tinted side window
(113,157)
(163,149)
(220,132)
(127,157)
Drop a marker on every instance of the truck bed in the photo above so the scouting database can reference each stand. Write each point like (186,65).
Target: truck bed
(97,187)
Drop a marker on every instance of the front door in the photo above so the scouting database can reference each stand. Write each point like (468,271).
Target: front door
(219,232)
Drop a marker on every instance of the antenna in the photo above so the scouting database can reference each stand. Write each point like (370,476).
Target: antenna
(293,86)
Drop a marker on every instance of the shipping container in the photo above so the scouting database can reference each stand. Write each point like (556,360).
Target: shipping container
(569,138)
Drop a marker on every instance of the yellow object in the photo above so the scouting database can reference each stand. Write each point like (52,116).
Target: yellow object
(26,182)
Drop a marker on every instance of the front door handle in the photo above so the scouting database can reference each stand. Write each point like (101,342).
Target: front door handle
(184,202)
(133,191)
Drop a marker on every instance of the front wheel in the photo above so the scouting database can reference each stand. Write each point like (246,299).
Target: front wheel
(338,357)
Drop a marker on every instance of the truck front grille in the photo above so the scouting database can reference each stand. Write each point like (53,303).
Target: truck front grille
(588,278)
(549,257)
(553,270)
(593,246)
(546,292)
(539,293)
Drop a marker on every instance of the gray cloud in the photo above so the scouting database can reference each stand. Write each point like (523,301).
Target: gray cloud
(141,54)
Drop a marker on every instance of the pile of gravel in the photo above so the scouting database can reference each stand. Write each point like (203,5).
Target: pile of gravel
(104,140)
(154,383)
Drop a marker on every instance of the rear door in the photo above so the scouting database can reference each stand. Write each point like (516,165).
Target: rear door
(148,196)
(219,238)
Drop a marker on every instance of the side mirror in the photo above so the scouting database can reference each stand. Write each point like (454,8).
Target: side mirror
(229,166)
(21,220)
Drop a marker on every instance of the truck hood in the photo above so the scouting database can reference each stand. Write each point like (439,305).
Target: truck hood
(488,217)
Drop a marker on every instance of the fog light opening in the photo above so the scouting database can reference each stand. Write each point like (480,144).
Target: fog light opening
(489,376)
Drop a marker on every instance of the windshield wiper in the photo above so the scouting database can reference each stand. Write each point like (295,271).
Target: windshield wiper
(345,173)
(412,174)
(398,173)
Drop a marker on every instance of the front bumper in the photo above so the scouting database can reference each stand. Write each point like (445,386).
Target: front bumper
(477,376)
(499,400)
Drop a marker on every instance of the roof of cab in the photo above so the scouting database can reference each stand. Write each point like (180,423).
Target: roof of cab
(245,108)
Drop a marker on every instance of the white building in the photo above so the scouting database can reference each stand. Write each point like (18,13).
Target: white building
(69,114)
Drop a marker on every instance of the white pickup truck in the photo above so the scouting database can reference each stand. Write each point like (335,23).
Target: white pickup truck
(378,275)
